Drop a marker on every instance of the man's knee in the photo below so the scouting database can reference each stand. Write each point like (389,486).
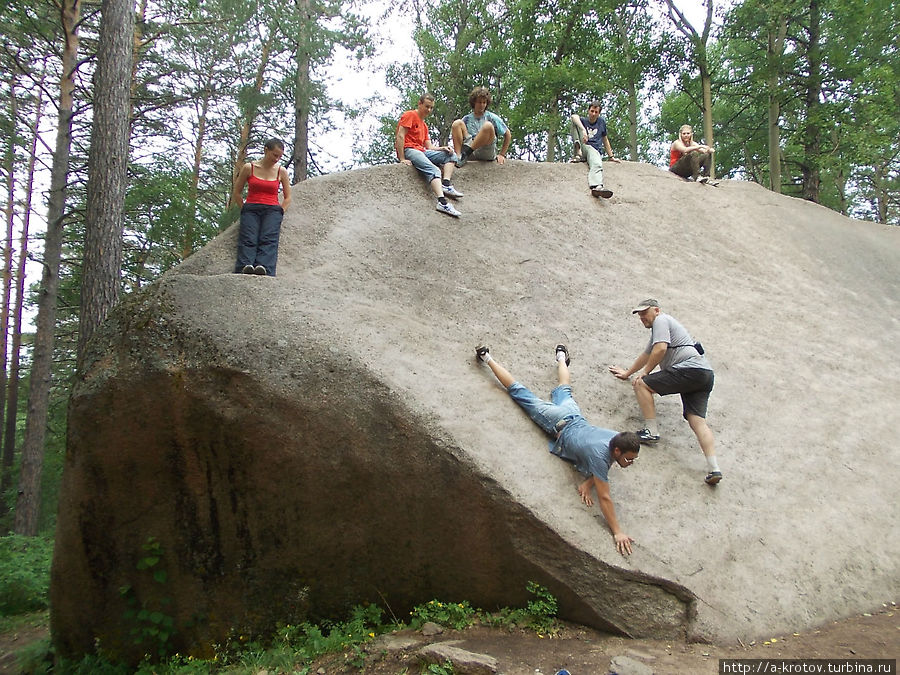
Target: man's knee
(487,133)
(640,386)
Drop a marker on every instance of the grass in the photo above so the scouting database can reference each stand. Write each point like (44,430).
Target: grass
(293,648)
(24,585)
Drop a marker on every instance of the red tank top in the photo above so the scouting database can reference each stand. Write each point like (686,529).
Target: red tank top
(262,191)
(674,156)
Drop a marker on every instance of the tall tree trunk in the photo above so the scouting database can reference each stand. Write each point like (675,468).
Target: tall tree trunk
(28,501)
(774,52)
(187,242)
(12,399)
(706,85)
(10,161)
(810,166)
(107,170)
(250,117)
(302,94)
(631,90)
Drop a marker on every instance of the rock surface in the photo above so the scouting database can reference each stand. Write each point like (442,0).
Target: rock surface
(298,444)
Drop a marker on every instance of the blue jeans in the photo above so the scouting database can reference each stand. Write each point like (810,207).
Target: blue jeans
(258,236)
(428,162)
(546,415)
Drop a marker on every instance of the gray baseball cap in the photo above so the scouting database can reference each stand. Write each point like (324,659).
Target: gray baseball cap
(645,304)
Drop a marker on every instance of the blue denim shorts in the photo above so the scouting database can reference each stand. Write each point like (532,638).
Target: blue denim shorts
(547,415)
(428,163)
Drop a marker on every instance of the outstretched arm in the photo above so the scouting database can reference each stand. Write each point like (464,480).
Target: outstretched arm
(623,374)
(608,509)
(654,357)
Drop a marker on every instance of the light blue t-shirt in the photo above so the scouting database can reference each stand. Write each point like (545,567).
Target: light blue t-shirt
(474,124)
(586,446)
(681,352)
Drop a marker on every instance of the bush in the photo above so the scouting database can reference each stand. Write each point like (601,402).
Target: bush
(24,574)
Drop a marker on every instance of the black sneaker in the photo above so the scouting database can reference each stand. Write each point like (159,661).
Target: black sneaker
(464,155)
(248,269)
(562,348)
(260,270)
(713,477)
(481,351)
(644,436)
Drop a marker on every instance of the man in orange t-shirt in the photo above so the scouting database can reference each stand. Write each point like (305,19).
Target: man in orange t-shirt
(413,146)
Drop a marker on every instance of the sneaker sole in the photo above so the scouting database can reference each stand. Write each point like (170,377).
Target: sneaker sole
(713,480)
(606,194)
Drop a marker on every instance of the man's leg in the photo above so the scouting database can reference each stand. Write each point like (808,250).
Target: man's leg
(707,444)
(459,132)
(575,132)
(432,174)
(545,414)
(644,395)
(595,166)
(485,136)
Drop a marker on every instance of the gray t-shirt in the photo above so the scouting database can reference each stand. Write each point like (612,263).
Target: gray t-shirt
(681,352)
(586,446)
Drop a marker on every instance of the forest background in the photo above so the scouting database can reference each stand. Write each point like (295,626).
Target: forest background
(123,126)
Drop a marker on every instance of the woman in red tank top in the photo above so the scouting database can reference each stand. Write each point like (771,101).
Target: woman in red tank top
(261,213)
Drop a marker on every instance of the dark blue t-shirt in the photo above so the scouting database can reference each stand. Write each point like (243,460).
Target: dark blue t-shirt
(595,132)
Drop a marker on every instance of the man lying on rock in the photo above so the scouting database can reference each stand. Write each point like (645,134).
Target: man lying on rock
(591,449)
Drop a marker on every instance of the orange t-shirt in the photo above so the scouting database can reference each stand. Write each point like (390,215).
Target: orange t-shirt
(417,130)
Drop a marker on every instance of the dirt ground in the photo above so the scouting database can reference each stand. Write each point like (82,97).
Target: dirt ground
(583,651)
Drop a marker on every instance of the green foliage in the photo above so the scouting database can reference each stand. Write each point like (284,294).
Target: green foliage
(456,615)
(538,615)
(150,625)
(35,658)
(445,668)
(24,573)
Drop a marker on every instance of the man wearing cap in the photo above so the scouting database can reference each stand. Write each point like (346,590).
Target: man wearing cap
(683,369)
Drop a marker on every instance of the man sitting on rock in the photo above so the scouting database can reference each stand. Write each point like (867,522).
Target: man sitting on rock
(436,163)
(475,136)
(589,140)
(591,449)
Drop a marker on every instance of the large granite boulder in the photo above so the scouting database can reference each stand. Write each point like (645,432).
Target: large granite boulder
(245,451)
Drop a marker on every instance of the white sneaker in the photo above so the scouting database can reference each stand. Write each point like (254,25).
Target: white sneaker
(448,209)
(450,191)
